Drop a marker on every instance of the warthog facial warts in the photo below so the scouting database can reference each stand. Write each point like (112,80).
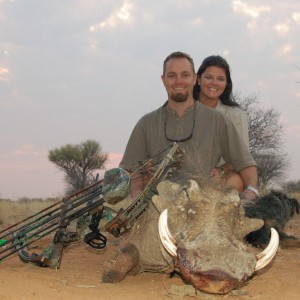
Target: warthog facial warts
(201,236)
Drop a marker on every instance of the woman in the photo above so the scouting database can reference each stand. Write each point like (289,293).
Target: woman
(214,89)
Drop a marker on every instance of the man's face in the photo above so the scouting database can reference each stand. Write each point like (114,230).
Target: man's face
(179,79)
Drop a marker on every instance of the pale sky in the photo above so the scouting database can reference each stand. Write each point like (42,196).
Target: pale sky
(89,69)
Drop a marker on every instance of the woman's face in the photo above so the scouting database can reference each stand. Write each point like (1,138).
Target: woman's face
(213,82)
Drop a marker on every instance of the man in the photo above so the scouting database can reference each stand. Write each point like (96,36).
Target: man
(205,133)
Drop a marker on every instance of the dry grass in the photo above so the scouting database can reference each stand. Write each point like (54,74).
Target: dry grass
(295,195)
(15,211)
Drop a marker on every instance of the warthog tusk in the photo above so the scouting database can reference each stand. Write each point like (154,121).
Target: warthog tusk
(264,257)
(165,236)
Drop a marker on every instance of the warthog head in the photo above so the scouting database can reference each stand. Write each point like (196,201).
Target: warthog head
(203,228)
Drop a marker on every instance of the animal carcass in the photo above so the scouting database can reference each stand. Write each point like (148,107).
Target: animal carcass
(201,235)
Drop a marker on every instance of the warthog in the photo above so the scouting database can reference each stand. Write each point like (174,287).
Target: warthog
(201,236)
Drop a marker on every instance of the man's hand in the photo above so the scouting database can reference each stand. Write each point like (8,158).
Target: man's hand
(148,172)
(140,180)
(136,184)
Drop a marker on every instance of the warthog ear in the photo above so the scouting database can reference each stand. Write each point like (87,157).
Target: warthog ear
(167,192)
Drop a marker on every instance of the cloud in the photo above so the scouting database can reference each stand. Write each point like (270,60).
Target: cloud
(226,52)
(284,50)
(2,1)
(118,18)
(4,72)
(249,10)
(282,28)
(25,158)
(296,17)
(197,22)
(29,150)
(26,155)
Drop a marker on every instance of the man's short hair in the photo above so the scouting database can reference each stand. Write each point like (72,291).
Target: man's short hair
(178,54)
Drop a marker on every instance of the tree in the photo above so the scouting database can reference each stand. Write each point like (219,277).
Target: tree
(265,139)
(79,162)
(292,186)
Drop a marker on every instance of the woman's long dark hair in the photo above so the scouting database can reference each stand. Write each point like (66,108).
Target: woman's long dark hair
(216,61)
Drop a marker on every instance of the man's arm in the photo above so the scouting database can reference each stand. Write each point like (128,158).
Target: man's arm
(136,150)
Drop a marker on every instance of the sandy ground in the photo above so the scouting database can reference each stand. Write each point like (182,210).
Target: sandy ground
(80,273)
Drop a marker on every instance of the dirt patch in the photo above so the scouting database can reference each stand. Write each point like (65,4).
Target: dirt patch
(80,273)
